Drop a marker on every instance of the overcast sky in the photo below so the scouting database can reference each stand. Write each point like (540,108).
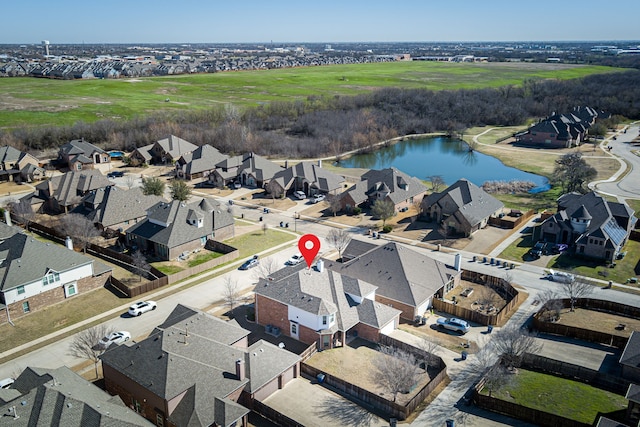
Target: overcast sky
(227,21)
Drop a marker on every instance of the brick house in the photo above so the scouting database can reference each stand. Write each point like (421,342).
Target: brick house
(17,165)
(248,169)
(172,228)
(170,149)
(406,280)
(80,154)
(592,226)
(307,177)
(196,370)
(463,208)
(560,130)
(199,163)
(322,306)
(387,184)
(35,275)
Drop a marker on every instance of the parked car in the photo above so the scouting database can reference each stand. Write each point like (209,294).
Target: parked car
(115,174)
(537,250)
(453,324)
(250,263)
(113,338)
(560,277)
(295,260)
(558,248)
(237,185)
(141,307)
(299,195)
(6,383)
(317,198)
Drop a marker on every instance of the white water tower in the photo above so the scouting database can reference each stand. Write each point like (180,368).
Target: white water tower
(45,43)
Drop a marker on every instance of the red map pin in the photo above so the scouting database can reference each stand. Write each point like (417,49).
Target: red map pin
(309,246)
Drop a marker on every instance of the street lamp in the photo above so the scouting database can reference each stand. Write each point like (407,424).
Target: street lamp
(295,222)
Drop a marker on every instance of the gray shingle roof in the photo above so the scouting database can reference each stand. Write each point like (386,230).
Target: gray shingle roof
(178,231)
(202,159)
(61,397)
(314,175)
(397,184)
(631,353)
(9,154)
(468,200)
(115,205)
(175,147)
(79,146)
(25,260)
(399,273)
(258,166)
(69,188)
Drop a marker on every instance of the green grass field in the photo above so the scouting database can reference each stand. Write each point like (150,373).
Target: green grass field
(569,399)
(31,102)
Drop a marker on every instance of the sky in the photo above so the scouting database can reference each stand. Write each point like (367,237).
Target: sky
(280,21)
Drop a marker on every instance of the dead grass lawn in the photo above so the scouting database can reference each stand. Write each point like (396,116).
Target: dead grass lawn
(479,293)
(599,321)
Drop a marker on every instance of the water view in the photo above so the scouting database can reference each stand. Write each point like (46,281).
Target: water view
(442,156)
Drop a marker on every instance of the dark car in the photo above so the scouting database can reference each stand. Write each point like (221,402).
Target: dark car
(250,263)
(115,174)
(537,250)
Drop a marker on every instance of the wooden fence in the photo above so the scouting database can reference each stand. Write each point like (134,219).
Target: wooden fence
(496,283)
(310,351)
(271,414)
(510,223)
(582,333)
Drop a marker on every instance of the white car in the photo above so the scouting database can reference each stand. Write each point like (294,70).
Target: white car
(453,324)
(295,260)
(299,195)
(317,198)
(6,383)
(114,338)
(560,277)
(141,307)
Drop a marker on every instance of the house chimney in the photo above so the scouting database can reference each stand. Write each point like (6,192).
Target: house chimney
(320,265)
(286,164)
(240,369)
(7,217)
(68,243)
(320,163)
(457,262)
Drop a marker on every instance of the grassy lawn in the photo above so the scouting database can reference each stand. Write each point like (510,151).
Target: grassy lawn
(38,102)
(167,269)
(516,251)
(569,399)
(59,316)
(203,257)
(257,241)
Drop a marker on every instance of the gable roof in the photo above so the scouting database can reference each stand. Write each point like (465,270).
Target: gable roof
(69,188)
(9,154)
(192,352)
(400,273)
(399,185)
(260,167)
(316,176)
(25,260)
(79,146)
(631,353)
(202,159)
(326,292)
(144,152)
(471,201)
(61,397)
(115,205)
(167,223)
(175,147)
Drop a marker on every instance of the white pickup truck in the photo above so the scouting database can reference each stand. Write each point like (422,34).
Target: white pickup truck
(560,277)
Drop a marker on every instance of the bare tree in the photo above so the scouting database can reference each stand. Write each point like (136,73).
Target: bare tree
(265,227)
(266,268)
(437,182)
(80,229)
(551,305)
(140,263)
(334,203)
(383,209)
(23,210)
(130,181)
(511,343)
(85,344)
(431,348)
(576,289)
(231,294)
(486,297)
(395,370)
(487,364)
(339,239)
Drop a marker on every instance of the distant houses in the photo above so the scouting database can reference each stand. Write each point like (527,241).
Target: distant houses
(560,130)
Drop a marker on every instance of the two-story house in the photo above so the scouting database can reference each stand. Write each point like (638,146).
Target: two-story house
(175,227)
(196,370)
(34,275)
(62,193)
(17,165)
(308,177)
(199,163)
(80,154)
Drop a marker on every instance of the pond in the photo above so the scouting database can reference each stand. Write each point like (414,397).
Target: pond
(449,158)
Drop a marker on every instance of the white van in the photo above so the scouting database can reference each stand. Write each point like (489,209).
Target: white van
(560,277)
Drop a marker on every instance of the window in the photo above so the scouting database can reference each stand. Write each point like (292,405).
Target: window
(332,318)
(50,278)
(25,307)
(294,329)
(159,420)
(20,290)
(70,290)
(203,240)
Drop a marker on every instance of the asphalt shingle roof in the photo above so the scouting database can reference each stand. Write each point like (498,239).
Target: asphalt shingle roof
(115,205)
(202,159)
(69,188)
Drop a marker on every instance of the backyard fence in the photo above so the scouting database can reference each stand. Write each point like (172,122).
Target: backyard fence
(510,222)
(590,335)
(496,283)
(271,414)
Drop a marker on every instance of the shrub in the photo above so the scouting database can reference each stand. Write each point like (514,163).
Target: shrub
(357,210)
(387,228)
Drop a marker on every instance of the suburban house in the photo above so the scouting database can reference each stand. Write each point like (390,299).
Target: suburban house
(463,207)
(80,154)
(48,397)
(141,155)
(17,165)
(62,193)
(387,184)
(35,275)
(197,370)
(592,226)
(116,209)
(308,177)
(406,280)
(560,130)
(630,358)
(248,169)
(172,228)
(226,171)
(199,163)
(322,306)
(167,150)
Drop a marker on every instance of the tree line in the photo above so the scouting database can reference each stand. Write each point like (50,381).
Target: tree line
(328,126)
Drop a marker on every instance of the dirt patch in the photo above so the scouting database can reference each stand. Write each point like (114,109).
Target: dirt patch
(474,296)
(598,321)
(11,188)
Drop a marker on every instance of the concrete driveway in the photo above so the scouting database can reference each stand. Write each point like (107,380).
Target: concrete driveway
(311,404)
(590,355)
